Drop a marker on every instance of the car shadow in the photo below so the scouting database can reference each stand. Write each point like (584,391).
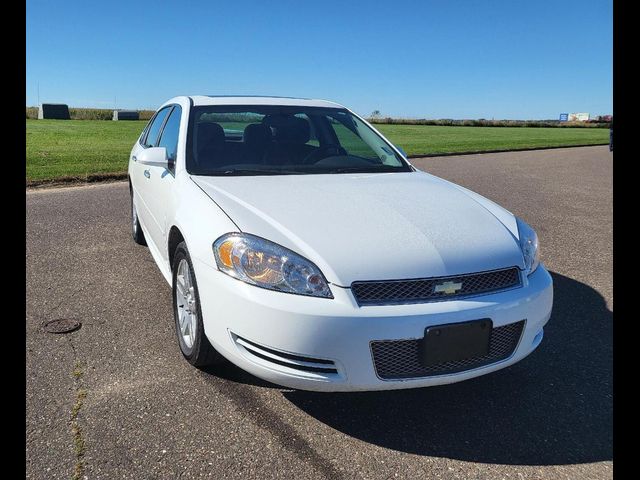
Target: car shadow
(228,371)
(552,408)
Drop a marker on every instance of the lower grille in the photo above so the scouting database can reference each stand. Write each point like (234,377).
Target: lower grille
(396,359)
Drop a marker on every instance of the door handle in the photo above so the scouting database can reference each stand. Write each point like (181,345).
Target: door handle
(147,174)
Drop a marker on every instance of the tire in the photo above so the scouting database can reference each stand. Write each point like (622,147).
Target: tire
(193,342)
(136,229)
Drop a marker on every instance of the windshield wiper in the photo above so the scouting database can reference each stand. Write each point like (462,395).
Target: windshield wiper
(254,171)
(366,170)
(237,172)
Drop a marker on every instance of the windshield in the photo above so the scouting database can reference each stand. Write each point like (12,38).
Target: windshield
(284,140)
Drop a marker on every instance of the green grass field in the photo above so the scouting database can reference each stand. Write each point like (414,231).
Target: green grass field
(79,148)
(428,139)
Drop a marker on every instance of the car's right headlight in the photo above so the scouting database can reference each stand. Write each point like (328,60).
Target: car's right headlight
(529,246)
(266,264)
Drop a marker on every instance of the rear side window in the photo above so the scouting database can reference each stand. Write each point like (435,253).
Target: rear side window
(169,138)
(154,128)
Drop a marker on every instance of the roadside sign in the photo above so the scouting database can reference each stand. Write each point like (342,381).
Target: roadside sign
(564,117)
(578,117)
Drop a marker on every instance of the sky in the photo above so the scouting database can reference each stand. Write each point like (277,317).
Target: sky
(415,59)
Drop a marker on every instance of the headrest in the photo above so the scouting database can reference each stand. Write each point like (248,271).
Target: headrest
(209,135)
(288,129)
(256,135)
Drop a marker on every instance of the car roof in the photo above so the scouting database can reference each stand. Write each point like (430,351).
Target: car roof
(260,100)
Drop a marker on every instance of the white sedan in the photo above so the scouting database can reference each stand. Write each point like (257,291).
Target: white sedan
(302,246)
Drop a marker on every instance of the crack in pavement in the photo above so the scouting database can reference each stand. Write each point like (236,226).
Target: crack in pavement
(76,431)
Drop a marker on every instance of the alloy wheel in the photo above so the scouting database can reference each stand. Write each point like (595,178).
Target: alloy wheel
(186,303)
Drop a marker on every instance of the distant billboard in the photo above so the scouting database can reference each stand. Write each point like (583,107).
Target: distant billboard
(578,117)
(564,117)
(58,111)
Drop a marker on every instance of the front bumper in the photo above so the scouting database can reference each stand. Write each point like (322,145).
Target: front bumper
(266,332)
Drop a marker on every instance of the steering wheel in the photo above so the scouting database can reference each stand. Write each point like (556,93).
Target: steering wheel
(323,152)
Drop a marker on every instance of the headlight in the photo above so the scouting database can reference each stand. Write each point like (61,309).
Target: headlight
(529,246)
(266,264)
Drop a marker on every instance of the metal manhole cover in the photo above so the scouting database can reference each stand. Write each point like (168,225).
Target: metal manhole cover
(61,325)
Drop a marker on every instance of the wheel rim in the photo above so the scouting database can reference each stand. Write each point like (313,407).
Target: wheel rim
(134,217)
(187,306)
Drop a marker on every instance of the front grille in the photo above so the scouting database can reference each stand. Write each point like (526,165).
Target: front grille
(395,359)
(424,290)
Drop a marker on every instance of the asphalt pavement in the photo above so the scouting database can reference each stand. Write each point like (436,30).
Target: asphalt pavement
(115,399)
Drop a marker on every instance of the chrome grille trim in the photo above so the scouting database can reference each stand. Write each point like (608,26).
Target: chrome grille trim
(422,290)
(400,359)
(285,359)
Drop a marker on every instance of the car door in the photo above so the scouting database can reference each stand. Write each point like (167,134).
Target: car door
(141,174)
(161,180)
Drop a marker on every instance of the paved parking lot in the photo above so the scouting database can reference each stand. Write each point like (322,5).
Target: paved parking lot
(115,399)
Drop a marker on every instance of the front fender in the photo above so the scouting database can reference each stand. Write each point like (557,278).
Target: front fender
(200,220)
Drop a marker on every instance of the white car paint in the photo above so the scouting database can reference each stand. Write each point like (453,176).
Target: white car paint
(353,227)
(429,227)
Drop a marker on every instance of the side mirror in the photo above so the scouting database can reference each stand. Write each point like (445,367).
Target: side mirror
(404,154)
(153,156)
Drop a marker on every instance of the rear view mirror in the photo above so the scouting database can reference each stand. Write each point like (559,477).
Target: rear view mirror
(153,156)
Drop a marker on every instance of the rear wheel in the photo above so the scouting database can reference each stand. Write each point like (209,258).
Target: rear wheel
(194,345)
(136,229)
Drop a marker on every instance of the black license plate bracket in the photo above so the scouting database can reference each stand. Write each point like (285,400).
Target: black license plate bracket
(455,341)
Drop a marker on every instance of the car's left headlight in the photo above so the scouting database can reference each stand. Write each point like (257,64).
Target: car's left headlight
(265,264)
(529,246)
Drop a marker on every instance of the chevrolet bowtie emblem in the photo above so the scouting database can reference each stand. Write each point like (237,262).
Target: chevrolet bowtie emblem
(448,287)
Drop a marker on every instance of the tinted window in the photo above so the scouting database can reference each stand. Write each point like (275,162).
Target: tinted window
(284,140)
(313,138)
(233,123)
(154,128)
(169,138)
(351,141)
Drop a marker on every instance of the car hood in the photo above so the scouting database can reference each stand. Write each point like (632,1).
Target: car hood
(372,226)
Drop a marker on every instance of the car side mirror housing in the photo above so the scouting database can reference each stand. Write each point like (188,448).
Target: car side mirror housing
(153,156)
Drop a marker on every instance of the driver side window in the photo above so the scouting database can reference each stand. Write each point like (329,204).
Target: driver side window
(352,143)
(313,138)
(169,136)
(153,130)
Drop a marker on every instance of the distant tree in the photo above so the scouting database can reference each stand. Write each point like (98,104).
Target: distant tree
(375,114)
